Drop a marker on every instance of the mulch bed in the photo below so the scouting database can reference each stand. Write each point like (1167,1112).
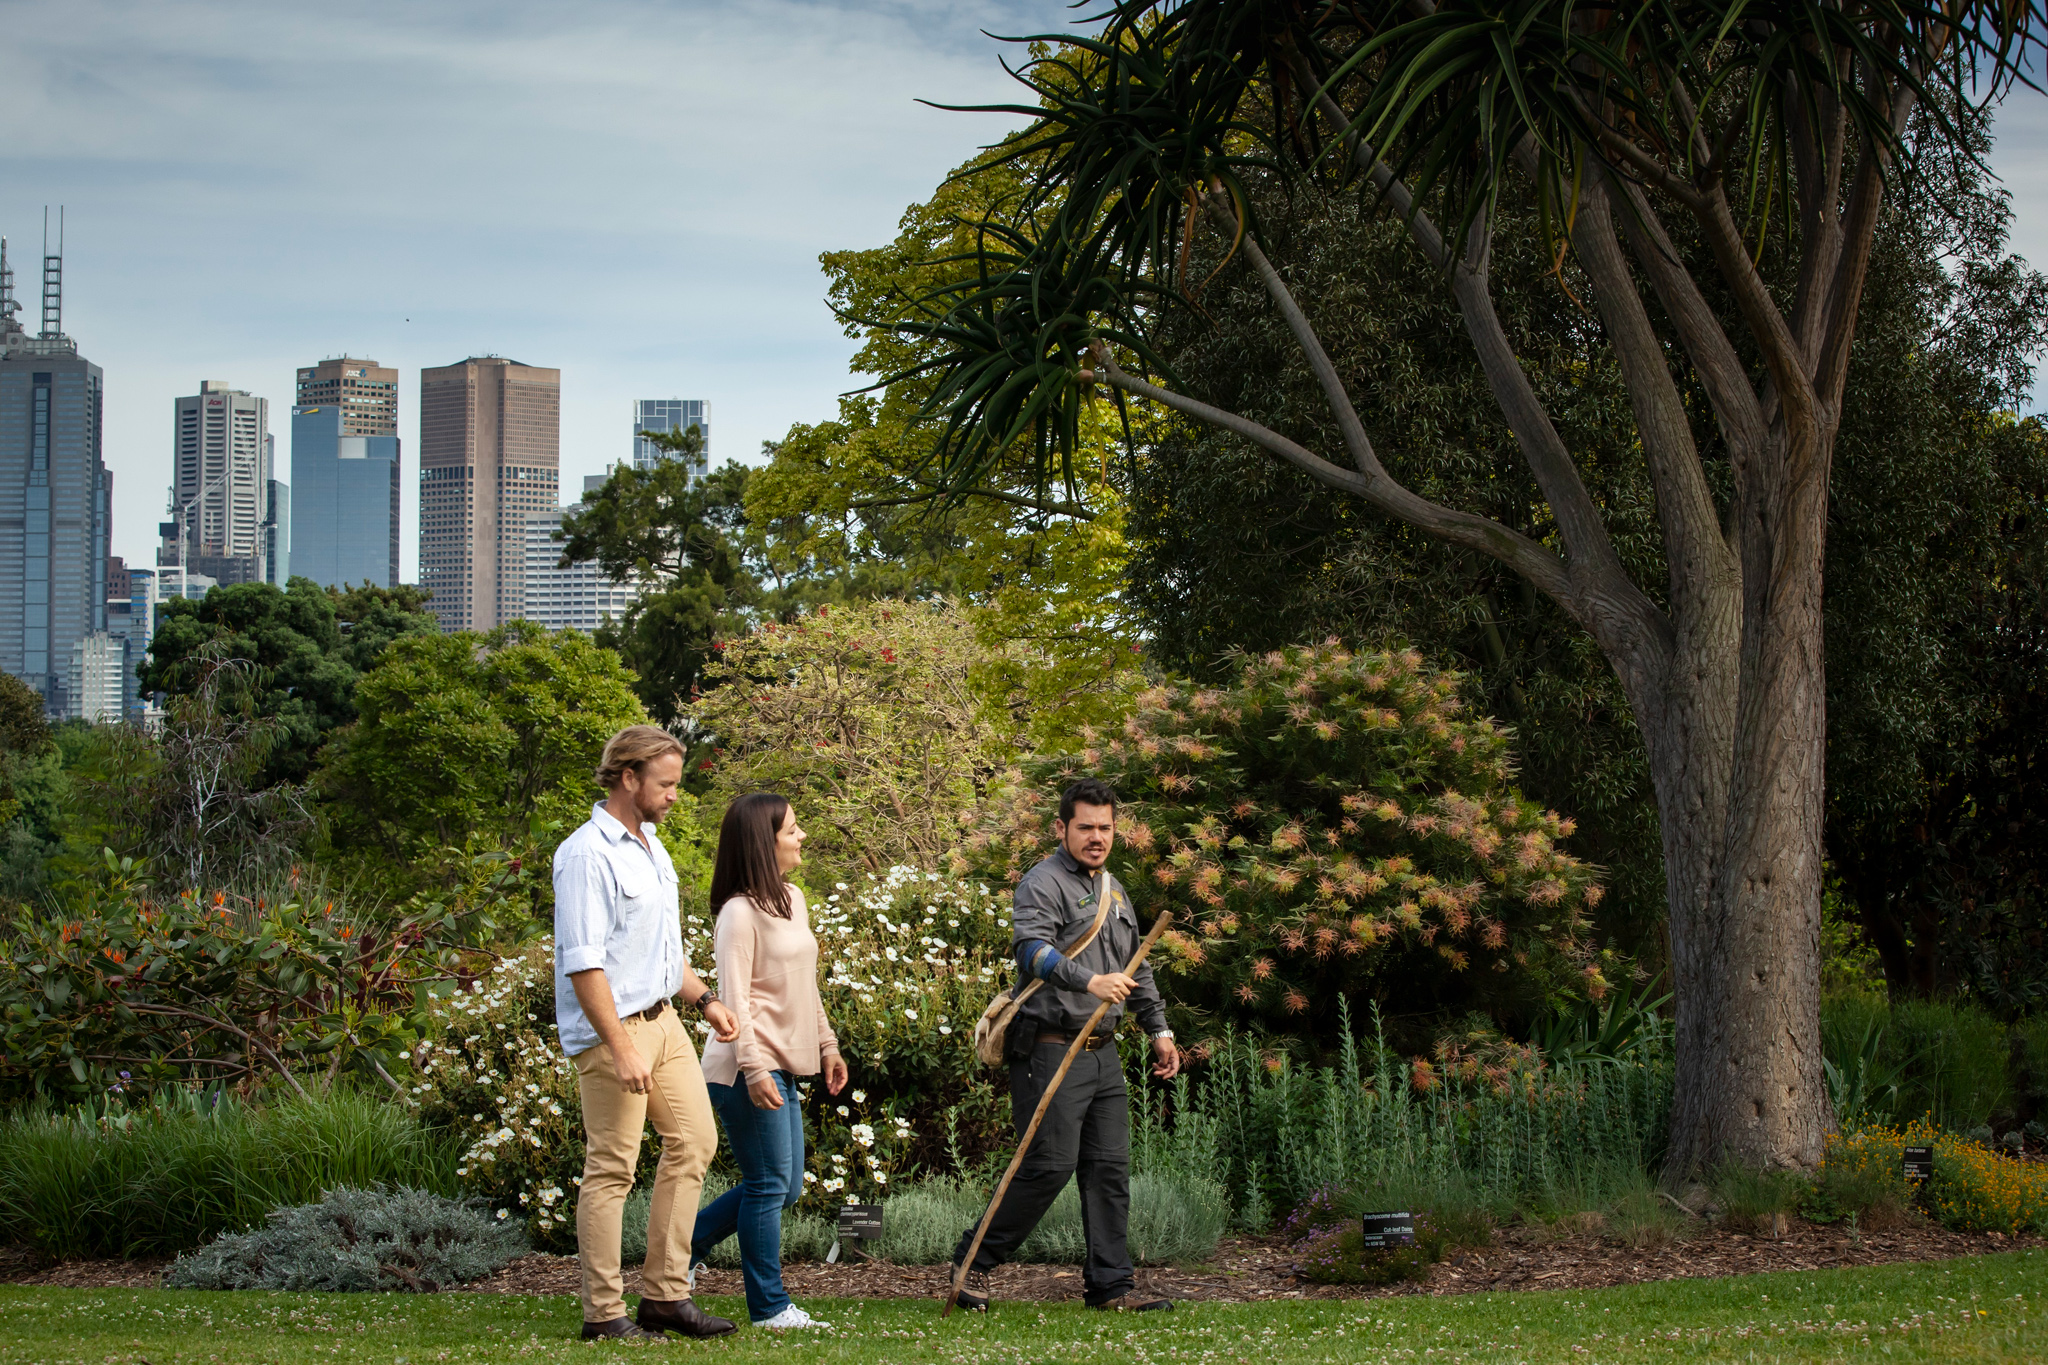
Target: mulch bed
(1245,1269)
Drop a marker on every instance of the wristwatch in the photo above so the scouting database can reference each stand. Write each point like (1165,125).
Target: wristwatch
(706,1000)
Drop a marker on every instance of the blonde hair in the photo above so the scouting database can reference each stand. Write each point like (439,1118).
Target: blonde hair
(632,748)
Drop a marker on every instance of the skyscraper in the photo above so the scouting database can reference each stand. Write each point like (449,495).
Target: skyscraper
(670,414)
(220,489)
(490,453)
(366,393)
(55,492)
(344,501)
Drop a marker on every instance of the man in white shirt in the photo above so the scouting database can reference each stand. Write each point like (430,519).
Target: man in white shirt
(618,962)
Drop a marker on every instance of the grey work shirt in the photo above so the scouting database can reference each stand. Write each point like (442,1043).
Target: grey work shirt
(1056,902)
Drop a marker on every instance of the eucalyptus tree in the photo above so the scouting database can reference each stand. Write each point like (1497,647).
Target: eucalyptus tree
(1634,132)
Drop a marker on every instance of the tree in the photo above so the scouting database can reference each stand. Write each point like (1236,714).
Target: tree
(467,739)
(308,645)
(1668,150)
(868,719)
(680,537)
(1232,550)
(1044,593)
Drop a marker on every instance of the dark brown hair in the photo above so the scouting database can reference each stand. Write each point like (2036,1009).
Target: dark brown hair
(746,865)
(633,747)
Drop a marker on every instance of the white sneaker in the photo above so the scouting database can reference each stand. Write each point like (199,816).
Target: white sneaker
(791,1316)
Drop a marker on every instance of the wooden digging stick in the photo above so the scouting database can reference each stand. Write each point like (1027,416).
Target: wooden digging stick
(1044,1103)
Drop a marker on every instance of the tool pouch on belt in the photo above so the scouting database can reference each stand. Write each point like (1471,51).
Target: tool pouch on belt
(992,1030)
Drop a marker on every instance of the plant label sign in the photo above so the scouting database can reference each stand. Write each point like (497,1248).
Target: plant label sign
(1383,1230)
(1919,1165)
(862,1221)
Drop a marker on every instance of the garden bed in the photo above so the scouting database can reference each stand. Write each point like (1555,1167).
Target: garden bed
(1247,1269)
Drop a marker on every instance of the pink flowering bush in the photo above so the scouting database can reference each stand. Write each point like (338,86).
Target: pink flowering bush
(1336,823)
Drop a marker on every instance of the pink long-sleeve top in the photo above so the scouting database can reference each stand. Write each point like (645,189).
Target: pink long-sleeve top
(768,977)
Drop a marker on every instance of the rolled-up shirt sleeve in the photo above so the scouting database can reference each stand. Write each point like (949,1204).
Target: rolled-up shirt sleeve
(1146,1003)
(1035,916)
(583,917)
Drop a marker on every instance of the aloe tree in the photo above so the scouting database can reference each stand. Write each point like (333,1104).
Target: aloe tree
(1661,145)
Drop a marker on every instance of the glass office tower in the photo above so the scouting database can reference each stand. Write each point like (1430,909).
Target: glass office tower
(343,504)
(670,414)
(55,495)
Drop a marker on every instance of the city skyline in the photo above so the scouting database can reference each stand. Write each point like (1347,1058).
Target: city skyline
(658,244)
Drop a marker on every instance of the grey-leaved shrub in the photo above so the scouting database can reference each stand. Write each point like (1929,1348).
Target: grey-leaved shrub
(356,1240)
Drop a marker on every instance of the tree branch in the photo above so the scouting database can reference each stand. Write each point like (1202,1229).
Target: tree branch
(1699,561)
(1525,556)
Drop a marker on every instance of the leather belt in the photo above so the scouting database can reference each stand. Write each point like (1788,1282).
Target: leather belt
(653,1011)
(1095,1040)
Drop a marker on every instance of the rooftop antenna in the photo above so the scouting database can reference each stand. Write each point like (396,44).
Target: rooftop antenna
(53,278)
(8,307)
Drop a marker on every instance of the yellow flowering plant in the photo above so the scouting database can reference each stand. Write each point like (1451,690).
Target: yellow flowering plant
(1974,1187)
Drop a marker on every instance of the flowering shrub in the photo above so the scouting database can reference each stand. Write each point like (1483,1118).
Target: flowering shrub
(492,1071)
(132,989)
(1335,823)
(910,959)
(1974,1188)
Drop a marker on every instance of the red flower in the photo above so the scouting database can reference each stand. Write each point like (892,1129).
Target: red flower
(706,766)
(889,656)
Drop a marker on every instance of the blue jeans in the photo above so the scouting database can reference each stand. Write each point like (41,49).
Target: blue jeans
(769,1146)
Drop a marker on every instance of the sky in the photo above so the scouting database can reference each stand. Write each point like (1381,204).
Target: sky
(633,192)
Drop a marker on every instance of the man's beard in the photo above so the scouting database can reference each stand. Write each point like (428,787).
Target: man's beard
(649,817)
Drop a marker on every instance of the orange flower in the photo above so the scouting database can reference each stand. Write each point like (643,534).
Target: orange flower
(68,933)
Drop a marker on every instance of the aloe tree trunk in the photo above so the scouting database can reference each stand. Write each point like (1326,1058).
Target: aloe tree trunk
(1726,679)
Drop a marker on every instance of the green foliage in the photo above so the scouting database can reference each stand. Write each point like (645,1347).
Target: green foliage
(1948,1059)
(309,646)
(164,1177)
(23,730)
(867,718)
(129,991)
(1335,825)
(468,739)
(355,1240)
(1175,1219)
(1937,588)
(681,537)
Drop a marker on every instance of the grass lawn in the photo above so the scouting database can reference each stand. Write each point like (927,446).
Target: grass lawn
(1981,1309)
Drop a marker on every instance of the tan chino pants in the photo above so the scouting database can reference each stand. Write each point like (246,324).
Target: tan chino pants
(612,1123)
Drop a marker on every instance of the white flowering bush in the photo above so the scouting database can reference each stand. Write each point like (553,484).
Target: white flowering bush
(908,960)
(492,1071)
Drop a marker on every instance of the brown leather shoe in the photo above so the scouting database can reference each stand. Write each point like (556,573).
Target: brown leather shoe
(1131,1303)
(620,1329)
(680,1315)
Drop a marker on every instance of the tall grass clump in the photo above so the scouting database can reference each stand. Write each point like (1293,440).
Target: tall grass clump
(1505,1131)
(1890,1063)
(167,1178)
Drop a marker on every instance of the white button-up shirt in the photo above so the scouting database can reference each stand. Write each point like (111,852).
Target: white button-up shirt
(616,907)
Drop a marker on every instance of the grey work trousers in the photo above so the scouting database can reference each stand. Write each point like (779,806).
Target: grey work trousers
(1087,1132)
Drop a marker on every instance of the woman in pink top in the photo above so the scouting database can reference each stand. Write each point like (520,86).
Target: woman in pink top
(768,977)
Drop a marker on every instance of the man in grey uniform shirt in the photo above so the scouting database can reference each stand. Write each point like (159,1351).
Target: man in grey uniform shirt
(1087,1131)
